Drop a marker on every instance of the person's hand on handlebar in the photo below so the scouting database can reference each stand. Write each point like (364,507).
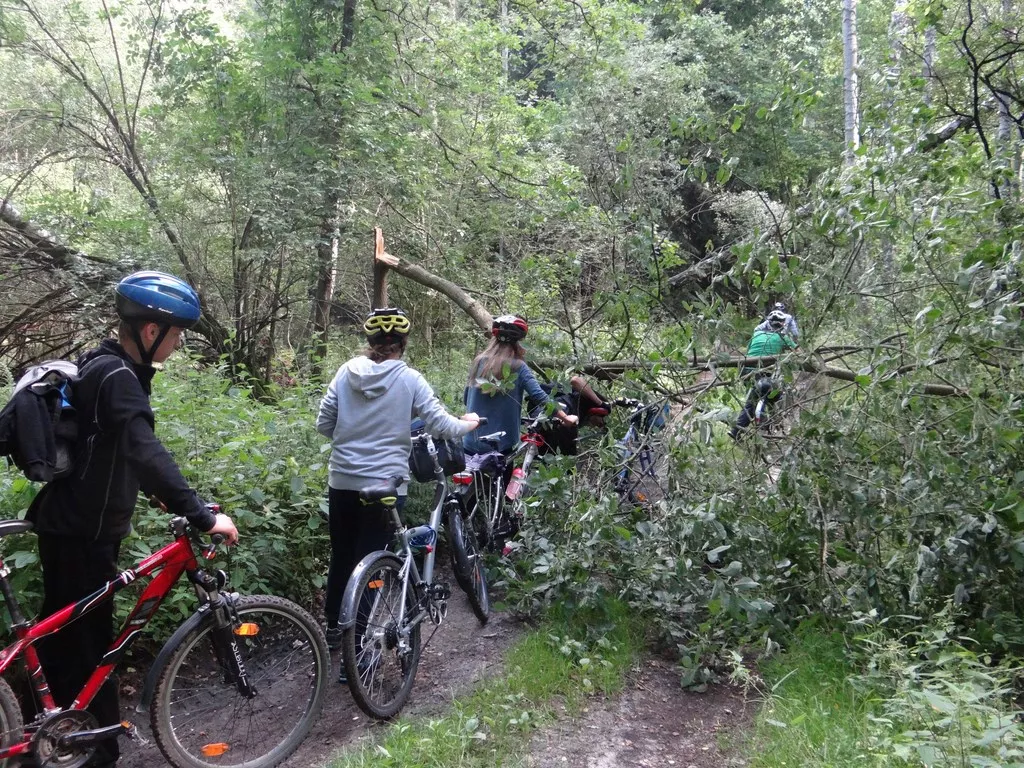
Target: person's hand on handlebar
(473,419)
(567,419)
(225,527)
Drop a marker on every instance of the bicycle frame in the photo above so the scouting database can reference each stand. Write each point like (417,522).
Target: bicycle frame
(490,481)
(174,559)
(410,571)
(635,447)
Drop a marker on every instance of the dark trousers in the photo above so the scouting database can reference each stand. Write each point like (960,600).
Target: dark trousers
(747,414)
(73,569)
(356,529)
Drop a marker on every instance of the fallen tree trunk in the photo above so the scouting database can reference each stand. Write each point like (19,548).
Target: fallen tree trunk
(608,370)
(612,369)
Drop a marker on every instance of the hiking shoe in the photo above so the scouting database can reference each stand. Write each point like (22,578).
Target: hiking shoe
(333,638)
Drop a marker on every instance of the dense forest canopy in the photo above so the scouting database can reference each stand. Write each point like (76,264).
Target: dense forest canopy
(641,180)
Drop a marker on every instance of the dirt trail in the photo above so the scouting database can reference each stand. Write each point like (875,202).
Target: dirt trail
(653,722)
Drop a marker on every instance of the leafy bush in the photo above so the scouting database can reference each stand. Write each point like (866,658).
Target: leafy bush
(942,704)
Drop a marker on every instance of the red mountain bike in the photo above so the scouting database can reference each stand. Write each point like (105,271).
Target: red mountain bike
(240,683)
(496,508)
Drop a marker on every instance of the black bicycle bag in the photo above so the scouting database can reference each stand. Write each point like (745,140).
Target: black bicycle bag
(450,455)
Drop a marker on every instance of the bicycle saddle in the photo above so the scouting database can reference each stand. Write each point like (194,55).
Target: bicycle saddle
(14,526)
(493,437)
(379,492)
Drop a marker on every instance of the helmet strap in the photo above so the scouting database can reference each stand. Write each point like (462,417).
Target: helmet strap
(147,354)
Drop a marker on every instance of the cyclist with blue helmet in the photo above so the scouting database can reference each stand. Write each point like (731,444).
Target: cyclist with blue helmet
(82,518)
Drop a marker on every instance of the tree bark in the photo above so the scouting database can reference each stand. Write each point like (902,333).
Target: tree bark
(612,369)
(851,93)
(380,271)
(323,287)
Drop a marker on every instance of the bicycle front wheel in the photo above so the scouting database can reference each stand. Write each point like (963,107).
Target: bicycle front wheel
(468,564)
(201,718)
(381,648)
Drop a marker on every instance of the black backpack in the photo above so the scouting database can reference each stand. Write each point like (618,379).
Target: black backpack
(39,424)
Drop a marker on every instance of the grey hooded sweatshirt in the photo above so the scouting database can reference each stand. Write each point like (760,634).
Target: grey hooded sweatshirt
(367,412)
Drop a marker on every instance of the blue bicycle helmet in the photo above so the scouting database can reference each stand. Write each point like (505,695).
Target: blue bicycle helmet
(157,297)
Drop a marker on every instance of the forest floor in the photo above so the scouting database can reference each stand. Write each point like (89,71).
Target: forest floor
(651,722)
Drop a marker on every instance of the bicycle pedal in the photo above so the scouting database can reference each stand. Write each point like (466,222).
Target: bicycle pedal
(440,591)
(131,730)
(438,611)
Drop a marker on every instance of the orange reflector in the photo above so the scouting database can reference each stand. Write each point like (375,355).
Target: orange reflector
(215,750)
(247,629)
(375,584)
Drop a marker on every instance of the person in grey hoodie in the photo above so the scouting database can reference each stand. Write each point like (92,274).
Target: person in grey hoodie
(366,413)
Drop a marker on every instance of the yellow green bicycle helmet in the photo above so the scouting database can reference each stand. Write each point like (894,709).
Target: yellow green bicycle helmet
(388,325)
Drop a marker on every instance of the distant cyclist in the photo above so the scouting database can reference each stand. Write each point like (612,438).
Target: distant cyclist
(789,323)
(767,342)
(499,379)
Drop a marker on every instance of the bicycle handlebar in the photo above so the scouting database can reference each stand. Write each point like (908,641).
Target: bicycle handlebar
(532,424)
(627,402)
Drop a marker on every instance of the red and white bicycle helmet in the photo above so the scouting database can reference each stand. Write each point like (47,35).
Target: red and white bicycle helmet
(509,328)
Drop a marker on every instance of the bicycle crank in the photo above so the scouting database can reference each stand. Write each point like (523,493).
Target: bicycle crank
(439,594)
(69,739)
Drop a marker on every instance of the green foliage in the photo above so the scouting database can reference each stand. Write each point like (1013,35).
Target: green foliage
(943,703)
(266,466)
(920,700)
(813,714)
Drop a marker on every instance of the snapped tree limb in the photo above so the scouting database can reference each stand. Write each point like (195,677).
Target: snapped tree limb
(418,274)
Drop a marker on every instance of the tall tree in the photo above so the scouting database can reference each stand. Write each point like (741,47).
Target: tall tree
(851,89)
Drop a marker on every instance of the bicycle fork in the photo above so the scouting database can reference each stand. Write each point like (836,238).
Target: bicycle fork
(228,627)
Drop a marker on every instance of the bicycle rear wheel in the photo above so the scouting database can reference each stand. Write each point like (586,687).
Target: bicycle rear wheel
(468,563)
(201,719)
(381,649)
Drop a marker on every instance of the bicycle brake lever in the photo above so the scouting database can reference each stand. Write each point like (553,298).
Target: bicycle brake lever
(210,550)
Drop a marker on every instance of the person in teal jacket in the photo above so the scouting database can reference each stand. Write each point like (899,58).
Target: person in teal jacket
(764,343)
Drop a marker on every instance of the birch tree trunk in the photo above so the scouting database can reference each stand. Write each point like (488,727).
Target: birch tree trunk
(1008,139)
(851,96)
(928,63)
